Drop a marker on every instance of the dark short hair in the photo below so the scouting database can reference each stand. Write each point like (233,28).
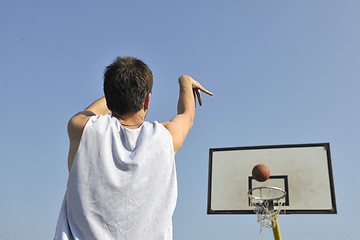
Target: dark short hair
(127,81)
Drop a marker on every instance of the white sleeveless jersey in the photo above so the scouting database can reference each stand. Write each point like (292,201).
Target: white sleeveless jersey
(122,184)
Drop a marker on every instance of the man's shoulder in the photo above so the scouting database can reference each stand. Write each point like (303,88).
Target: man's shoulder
(77,123)
(160,126)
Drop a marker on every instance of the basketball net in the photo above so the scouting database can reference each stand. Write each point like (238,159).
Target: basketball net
(267,203)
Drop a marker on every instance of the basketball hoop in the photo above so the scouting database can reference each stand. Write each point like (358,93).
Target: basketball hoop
(267,202)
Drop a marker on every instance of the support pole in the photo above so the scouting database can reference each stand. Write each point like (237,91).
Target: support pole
(276,231)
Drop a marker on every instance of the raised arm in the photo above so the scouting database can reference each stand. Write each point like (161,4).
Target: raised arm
(77,123)
(181,124)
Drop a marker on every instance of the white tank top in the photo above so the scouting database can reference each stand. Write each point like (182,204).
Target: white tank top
(122,184)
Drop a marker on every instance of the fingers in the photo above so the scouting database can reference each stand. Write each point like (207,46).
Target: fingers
(198,89)
(196,86)
(194,93)
(198,94)
(205,90)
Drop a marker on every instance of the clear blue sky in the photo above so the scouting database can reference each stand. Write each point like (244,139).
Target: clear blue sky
(283,72)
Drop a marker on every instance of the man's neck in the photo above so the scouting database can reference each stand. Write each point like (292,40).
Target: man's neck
(131,121)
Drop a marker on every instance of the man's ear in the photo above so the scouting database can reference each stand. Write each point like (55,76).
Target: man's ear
(147,102)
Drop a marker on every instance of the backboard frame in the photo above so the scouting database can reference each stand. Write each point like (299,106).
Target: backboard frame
(326,146)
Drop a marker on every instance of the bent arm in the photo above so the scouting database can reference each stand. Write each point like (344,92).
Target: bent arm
(77,123)
(99,107)
(181,124)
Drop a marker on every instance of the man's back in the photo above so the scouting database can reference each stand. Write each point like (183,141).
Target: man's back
(122,184)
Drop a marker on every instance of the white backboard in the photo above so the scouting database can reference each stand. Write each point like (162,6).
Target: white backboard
(304,171)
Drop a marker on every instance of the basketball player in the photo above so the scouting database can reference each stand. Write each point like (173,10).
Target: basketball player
(122,181)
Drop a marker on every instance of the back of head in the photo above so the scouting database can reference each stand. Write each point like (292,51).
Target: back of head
(127,81)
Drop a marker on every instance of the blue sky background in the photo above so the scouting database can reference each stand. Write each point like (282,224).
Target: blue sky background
(283,72)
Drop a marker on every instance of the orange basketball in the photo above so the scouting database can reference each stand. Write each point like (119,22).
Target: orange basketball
(261,173)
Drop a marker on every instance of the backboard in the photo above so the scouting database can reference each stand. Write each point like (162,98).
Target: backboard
(303,170)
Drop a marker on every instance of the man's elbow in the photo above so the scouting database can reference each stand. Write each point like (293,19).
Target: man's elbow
(189,126)
(191,123)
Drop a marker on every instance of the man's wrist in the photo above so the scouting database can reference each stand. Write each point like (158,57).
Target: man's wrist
(185,80)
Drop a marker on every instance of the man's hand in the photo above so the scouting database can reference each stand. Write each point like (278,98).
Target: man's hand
(196,86)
